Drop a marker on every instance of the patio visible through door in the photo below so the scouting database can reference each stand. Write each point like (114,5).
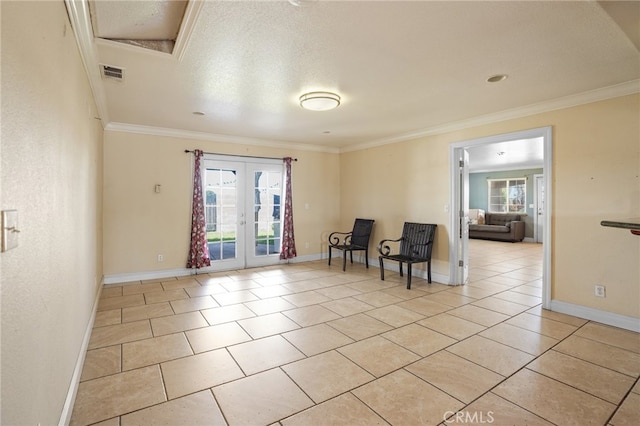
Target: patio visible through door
(242,209)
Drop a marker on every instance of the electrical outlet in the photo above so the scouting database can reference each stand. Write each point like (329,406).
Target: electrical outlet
(160,258)
(306,245)
(600,291)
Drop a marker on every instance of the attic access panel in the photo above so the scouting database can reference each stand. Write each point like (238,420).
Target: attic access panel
(152,24)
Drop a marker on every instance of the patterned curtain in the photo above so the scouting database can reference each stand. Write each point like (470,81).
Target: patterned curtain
(199,249)
(288,250)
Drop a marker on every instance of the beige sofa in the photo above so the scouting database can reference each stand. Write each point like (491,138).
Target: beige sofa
(496,226)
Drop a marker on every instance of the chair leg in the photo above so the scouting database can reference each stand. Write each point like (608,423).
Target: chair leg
(351,255)
(381,269)
(429,271)
(344,260)
(408,276)
(366,258)
(329,255)
(400,263)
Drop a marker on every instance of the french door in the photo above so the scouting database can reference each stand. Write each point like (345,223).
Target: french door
(242,210)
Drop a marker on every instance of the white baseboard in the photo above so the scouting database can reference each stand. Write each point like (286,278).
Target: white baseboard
(67,410)
(149,275)
(609,318)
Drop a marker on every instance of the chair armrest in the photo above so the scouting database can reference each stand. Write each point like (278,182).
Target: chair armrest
(334,238)
(384,249)
(517,229)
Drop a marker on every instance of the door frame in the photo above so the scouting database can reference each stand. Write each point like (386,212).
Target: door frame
(537,223)
(455,254)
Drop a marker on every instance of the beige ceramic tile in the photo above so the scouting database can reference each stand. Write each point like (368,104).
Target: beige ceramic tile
(138,313)
(269,306)
(495,356)
(154,351)
(234,286)
(141,288)
(205,290)
(629,412)
(599,381)
(395,316)
(403,399)
(101,362)
(620,360)
(165,296)
(107,397)
(111,422)
(545,326)
(521,299)
(554,401)
(490,409)
(176,323)
(529,289)
(389,356)
(499,305)
(347,306)
(267,325)
(120,333)
(419,339)
(261,399)
(360,326)
(172,285)
(456,376)
(473,292)
(196,409)
(216,336)
(556,316)
(613,336)
(110,317)
(345,409)
(110,291)
(271,291)
(378,299)
(193,304)
(311,315)
(227,314)
(225,299)
(198,372)
(306,298)
(120,302)
(451,299)
(316,339)
(478,315)
(326,375)
(338,292)
(424,305)
(516,337)
(452,326)
(263,354)
(210,281)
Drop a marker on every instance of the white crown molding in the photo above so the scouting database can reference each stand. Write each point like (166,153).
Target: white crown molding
(618,90)
(213,137)
(80,19)
(186,28)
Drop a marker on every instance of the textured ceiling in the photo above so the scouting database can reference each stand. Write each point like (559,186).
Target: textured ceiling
(403,69)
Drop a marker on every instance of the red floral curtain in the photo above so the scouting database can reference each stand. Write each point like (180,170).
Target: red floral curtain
(199,249)
(288,250)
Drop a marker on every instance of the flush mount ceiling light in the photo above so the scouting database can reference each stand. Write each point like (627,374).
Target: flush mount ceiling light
(496,78)
(319,101)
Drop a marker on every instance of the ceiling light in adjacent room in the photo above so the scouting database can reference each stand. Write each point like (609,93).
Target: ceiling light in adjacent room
(319,101)
(496,78)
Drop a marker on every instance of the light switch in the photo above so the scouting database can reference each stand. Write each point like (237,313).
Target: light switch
(9,229)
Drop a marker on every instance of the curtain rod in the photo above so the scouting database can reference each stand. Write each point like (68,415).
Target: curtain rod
(245,156)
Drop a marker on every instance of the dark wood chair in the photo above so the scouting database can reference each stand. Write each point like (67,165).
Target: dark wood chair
(415,246)
(356,240)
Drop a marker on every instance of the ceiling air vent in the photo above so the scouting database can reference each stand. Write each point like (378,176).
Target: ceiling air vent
(112,72)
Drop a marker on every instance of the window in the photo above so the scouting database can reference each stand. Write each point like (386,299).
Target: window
(507,195)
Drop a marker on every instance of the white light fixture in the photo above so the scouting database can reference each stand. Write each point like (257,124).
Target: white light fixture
(319,101)
(497,78)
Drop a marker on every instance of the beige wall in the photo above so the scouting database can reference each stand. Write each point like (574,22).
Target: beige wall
(139,224)
(596,167)
(52,174)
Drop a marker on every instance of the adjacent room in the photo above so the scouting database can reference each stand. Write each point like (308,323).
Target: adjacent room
(171,172)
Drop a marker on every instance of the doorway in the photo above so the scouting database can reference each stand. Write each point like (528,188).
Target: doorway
(242,209)
(458,238)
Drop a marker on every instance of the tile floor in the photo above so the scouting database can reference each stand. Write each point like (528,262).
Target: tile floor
(308,344)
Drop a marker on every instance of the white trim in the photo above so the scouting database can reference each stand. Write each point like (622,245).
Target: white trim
(67,409)
(615,91)
(148,275)
(189,20)
(187,134)
(604,317)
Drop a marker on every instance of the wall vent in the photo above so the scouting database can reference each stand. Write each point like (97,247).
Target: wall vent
(109,71)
